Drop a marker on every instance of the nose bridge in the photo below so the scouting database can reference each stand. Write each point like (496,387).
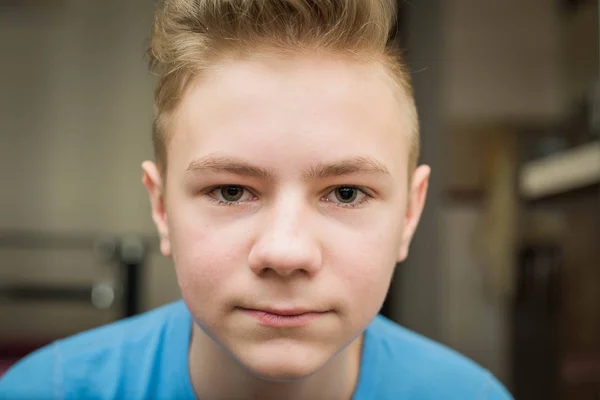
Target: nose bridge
(285,217)
(286,242)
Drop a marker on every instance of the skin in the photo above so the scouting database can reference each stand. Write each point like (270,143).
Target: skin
(315,153)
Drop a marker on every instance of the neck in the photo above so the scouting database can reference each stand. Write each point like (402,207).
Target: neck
(215,374)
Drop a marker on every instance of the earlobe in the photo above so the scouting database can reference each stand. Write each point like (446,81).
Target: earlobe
(403,253)
(414,208)
(153,182)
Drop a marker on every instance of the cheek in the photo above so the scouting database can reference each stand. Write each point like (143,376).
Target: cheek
(367,270)
(365,265)
(206,258)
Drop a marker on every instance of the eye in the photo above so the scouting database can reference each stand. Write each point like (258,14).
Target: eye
(230,194)
(347,196)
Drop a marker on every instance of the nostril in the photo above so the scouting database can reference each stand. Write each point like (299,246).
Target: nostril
(281,272)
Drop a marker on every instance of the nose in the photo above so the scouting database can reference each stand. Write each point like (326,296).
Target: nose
(285,244)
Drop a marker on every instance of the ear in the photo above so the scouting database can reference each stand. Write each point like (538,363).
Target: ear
(414,208)
(153,183)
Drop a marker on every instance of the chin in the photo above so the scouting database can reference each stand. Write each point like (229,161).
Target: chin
(281,361)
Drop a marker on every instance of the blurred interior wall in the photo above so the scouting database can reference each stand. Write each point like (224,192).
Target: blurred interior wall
(479,66)
(75,124)
(417,285)
(503,61)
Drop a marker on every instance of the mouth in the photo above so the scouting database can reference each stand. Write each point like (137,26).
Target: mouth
(284,318)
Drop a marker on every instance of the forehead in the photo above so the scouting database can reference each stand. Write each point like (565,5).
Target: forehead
(268,72)
(299,77)
(316,104)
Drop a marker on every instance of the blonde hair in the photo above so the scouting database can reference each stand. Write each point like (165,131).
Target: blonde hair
(189,36)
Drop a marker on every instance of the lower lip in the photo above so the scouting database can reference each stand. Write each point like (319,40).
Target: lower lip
(284,321)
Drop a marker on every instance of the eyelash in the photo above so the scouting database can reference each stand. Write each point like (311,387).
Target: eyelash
(364,200)
(221,202)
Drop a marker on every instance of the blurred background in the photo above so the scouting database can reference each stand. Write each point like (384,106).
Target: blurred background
(505,266)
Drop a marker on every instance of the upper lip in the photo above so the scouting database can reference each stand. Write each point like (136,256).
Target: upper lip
(288,311)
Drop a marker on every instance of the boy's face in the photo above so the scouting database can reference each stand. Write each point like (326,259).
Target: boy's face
(287,192)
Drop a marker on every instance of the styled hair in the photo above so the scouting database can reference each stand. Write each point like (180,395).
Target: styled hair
(190,36)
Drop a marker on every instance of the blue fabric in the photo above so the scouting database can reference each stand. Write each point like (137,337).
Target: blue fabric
(146,357)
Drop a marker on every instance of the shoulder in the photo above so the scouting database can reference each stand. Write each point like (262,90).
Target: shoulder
(135,333)
(402,363)
(97,362)
(33,377)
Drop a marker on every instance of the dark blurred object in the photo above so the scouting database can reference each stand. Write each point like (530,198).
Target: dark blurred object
(128,253)
(535,325)
(572,5)
(22,292)
(583,124)
(132,257)
(548,145)
(594,114)
(21,4)
(556,332)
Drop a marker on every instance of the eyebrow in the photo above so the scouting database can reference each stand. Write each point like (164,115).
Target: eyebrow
(231,165)
(349,166)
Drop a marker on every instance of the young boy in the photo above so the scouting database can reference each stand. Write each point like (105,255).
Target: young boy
(285,188)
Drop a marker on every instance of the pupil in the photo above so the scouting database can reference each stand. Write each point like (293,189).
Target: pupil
(346,194)
(232,193)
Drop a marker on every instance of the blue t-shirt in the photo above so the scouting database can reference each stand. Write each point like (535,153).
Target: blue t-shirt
(145,357)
